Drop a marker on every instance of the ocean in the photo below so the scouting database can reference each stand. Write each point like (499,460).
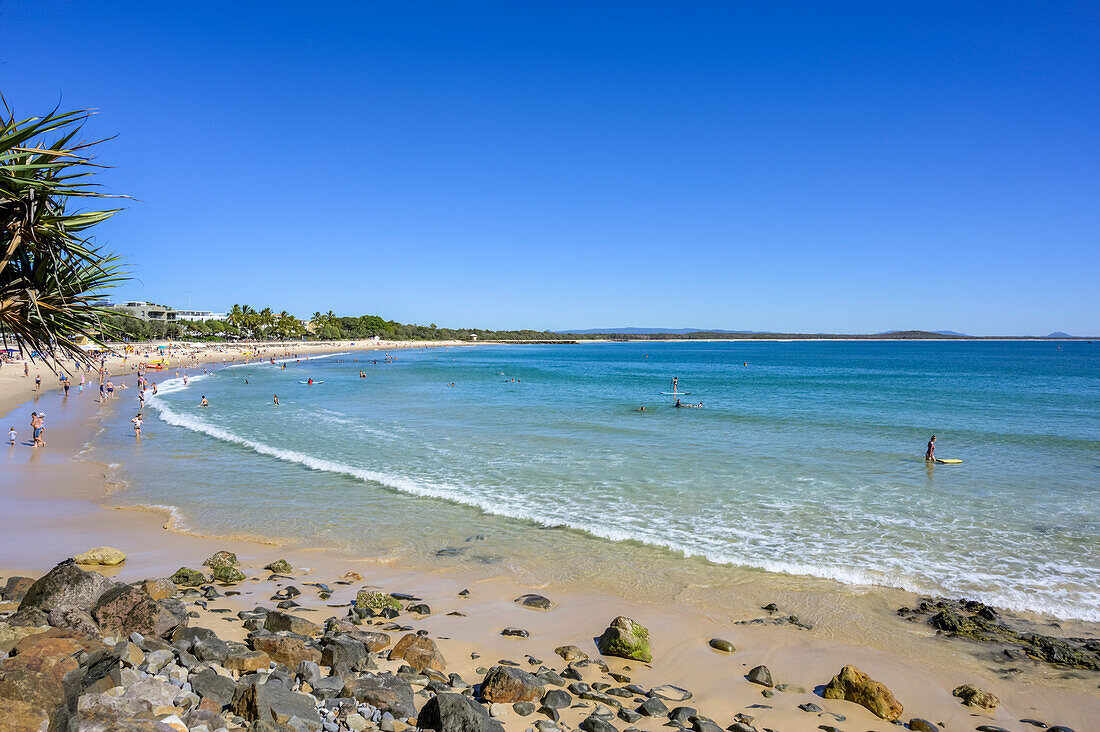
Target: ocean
(805,461)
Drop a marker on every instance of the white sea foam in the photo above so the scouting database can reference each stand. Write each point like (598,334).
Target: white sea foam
(514,506)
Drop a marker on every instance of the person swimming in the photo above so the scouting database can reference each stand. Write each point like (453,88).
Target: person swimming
(204,403)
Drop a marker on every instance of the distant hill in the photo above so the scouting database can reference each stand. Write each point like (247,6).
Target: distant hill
(650,331)
(1058,334)
(937,332)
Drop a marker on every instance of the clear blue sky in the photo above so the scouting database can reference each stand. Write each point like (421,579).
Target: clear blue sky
(851,167)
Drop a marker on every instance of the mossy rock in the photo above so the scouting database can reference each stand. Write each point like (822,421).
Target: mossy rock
(376,601)
(228,575)
(280,566)
(222,559)
(187,577)
(626,638)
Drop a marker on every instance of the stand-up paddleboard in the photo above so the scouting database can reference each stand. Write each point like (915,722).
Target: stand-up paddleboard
(948,461)
(675,393)
(308,384)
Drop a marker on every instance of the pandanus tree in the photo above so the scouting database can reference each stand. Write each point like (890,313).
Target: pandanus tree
(51,272)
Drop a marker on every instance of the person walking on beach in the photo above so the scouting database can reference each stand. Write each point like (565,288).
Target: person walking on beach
(110,389)
(36,427)
(37,382)
(930,451)
(11,435)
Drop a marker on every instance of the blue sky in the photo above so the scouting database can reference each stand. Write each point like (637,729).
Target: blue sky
(811,167)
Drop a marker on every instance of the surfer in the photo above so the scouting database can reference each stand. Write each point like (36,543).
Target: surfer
(310,382)
(930,451)
(675,380)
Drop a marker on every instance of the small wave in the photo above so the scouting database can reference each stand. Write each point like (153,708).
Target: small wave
(1088,609)
(292,359)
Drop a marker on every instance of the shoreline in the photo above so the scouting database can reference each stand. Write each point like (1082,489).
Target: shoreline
(66,513)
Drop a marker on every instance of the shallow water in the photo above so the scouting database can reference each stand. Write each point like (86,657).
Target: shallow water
(807,461)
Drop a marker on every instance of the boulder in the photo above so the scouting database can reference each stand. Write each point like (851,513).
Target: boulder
(760,675)
(10,635)
(36,673)
(66,584)
(288,650)
(972,696)
(537,602)
(15,589)
(626,638)
(158,589)
(376,601)
(187,577)
(373,640)
(228,575)
(571,653)
(213,686)
(277,621)
(19,716)
(279,566)
(123,610)
(222,559)
(853,685)
(246,662)
(418,651)
(507,685)
(387,692)
(102,555)
(344,654)
(28,617)
(916,724)
(74,618)
(274,702)
(449,712)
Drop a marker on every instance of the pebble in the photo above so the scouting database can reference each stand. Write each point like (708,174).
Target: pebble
(720,644)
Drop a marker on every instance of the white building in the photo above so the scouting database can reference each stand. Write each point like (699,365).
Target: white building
(198,315)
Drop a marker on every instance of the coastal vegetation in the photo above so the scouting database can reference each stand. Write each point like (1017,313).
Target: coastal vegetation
(51,272)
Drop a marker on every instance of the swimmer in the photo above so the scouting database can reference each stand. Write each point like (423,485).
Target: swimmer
(204,403)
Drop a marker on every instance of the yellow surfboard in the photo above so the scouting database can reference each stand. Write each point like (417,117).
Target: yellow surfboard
(948,461)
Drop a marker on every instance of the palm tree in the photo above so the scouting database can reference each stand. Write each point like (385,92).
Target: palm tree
(51,274)
(235,315)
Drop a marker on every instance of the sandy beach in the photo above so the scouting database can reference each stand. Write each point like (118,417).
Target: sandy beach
(52,509)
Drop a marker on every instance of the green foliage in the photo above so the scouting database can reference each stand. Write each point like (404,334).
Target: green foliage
(51,274)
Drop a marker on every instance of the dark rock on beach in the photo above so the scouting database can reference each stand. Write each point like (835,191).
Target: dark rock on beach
(537,602)
(507,685)
(66,584)
(760,675)
(853,685)
(626,638)
(456,713)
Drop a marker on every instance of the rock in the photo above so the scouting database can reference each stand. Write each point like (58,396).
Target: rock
(916,724)
(202,642)
(158,589)
(853,685)
(628,715)
(595,724)
(760,675)
(66,584)
(515,633)
(990,728)
(228,575)
(524,708)
(245,662)
(344,654)
(720,644)
(626,639)
(288,650)
(556,699)
(420,652)
(15,589)
(972,696)
(10,635)
(669,692)
(211,685)
(222,559)
(377,601)
(682,715)
(28,617)
(74,618)
(702,724)
(653,707)
(507,685)
(387,692)
(810,707)
(571,653)
(274,702)
(186,577)
(123,610)
(279,566)
(450,712)
(36,673)
(537,602)
(18,716)
(104,555)
(374,641)
(278,621)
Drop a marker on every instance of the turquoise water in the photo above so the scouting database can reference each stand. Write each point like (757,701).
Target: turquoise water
(805,461)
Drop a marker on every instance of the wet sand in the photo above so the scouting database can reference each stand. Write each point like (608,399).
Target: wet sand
(51,508)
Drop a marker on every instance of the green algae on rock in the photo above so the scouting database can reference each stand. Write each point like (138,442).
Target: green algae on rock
(626,638)
(188,577)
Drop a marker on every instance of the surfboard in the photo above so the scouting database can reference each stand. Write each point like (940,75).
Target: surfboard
(308,384)
(675,393)
(948,461)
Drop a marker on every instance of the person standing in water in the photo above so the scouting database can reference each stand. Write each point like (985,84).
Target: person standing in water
(930,451)
(675,380)
(276,400)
